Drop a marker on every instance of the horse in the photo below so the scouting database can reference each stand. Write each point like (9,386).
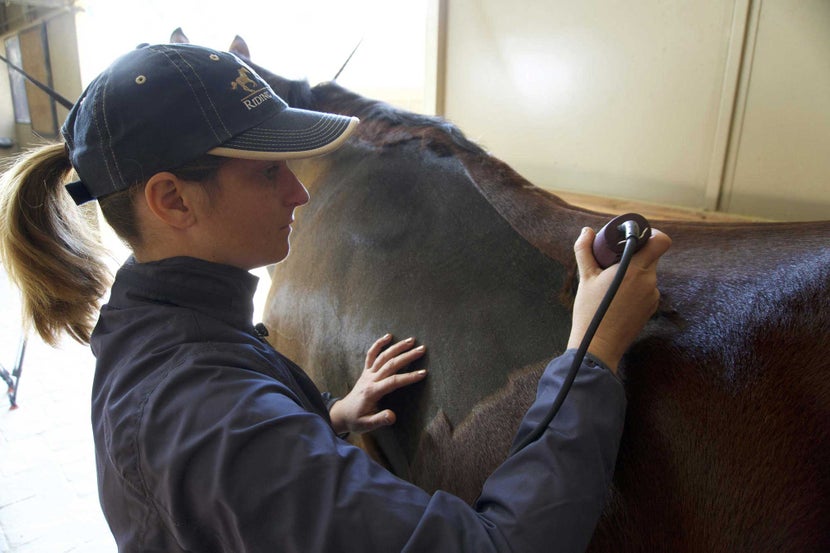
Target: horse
(413,228)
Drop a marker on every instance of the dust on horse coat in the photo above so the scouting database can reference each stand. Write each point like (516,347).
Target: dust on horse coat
(413,229)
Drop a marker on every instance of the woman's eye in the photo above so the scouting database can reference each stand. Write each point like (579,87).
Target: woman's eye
(272,171)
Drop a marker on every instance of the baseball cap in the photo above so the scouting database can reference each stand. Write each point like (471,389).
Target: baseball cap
(161,106)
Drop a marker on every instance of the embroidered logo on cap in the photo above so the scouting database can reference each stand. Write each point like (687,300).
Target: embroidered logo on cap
(245,81)
(256,94)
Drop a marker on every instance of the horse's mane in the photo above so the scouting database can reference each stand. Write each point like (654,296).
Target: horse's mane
(297,94)
(381,123)
(436,133)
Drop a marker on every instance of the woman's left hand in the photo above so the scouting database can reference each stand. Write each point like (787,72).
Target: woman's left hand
(358,410)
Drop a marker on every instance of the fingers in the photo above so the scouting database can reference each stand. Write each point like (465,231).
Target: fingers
(399,361)
(646,258)
(384,371)
(395,381)
(378,420)
(583,250)
(657,245)
(375,349)
(395,357)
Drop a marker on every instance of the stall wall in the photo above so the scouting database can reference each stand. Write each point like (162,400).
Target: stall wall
(640,99)
(781,165)
(56,64)
(7,127)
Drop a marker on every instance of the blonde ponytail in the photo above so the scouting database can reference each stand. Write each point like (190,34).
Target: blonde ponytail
(50,247)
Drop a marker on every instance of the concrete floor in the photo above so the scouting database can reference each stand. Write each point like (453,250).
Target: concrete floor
(48,494)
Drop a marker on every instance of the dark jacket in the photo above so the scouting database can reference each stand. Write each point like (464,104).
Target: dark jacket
(207,439)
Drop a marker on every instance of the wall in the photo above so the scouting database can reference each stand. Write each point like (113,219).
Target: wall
(7,127)
(63,58)
(781,164)
(642,100)
(63,51)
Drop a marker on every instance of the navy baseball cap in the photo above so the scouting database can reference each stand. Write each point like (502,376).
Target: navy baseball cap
(161,106)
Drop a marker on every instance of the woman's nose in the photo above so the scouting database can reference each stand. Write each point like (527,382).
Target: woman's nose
(299,195)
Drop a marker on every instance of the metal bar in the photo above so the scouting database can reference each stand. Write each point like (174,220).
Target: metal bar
(45,88)
(13,379)
(348,59)
(42,3)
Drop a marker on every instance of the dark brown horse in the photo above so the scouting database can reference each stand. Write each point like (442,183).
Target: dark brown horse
(413,229)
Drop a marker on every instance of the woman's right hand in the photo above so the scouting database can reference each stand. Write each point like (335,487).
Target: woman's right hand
(635,301)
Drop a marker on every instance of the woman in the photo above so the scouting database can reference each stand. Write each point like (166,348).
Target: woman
(207,439)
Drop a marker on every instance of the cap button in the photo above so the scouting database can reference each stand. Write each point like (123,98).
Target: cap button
(141,79)
(214,57)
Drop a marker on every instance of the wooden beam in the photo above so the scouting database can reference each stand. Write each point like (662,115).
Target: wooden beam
(653,212)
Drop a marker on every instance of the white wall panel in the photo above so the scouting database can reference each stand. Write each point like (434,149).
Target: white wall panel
(781,158)
(632,99)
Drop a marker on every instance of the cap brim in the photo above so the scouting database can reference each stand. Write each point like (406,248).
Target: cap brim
(291,134)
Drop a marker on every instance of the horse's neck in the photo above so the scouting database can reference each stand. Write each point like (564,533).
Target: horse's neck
(333,98)
(543,219)
(296,93)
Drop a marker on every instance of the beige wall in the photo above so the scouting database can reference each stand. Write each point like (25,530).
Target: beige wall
(7,128)
(781,164)
(63,51)
(638,99)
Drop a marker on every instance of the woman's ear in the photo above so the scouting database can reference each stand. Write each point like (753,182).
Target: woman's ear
(169,199)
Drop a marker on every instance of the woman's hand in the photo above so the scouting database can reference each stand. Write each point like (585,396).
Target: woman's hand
(635,302)
(358,410)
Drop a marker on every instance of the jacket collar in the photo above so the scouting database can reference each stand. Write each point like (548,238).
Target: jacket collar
(219,291)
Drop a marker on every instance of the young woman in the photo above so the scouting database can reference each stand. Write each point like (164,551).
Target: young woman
(207,439)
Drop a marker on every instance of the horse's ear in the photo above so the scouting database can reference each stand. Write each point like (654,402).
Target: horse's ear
(178,37)
(240,48)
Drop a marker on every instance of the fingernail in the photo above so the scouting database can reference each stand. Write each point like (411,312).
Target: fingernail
(584,230)
(410,340)
(422,372)
(387,336)
(420,348)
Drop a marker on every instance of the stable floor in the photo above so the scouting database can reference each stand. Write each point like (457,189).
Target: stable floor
(48,495)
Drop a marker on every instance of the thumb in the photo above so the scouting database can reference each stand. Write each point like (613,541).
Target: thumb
(584,252)
(378,420)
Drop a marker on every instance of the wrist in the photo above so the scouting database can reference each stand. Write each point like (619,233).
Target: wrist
(338,421)
(599,349)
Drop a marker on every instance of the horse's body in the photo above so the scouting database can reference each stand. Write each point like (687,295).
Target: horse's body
(413,230)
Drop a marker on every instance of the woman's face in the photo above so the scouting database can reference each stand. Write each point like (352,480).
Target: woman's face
(248,222)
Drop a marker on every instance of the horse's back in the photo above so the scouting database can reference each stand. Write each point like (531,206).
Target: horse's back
(727,444)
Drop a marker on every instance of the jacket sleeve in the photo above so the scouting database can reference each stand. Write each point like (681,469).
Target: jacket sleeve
(273,475)
(548,496)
